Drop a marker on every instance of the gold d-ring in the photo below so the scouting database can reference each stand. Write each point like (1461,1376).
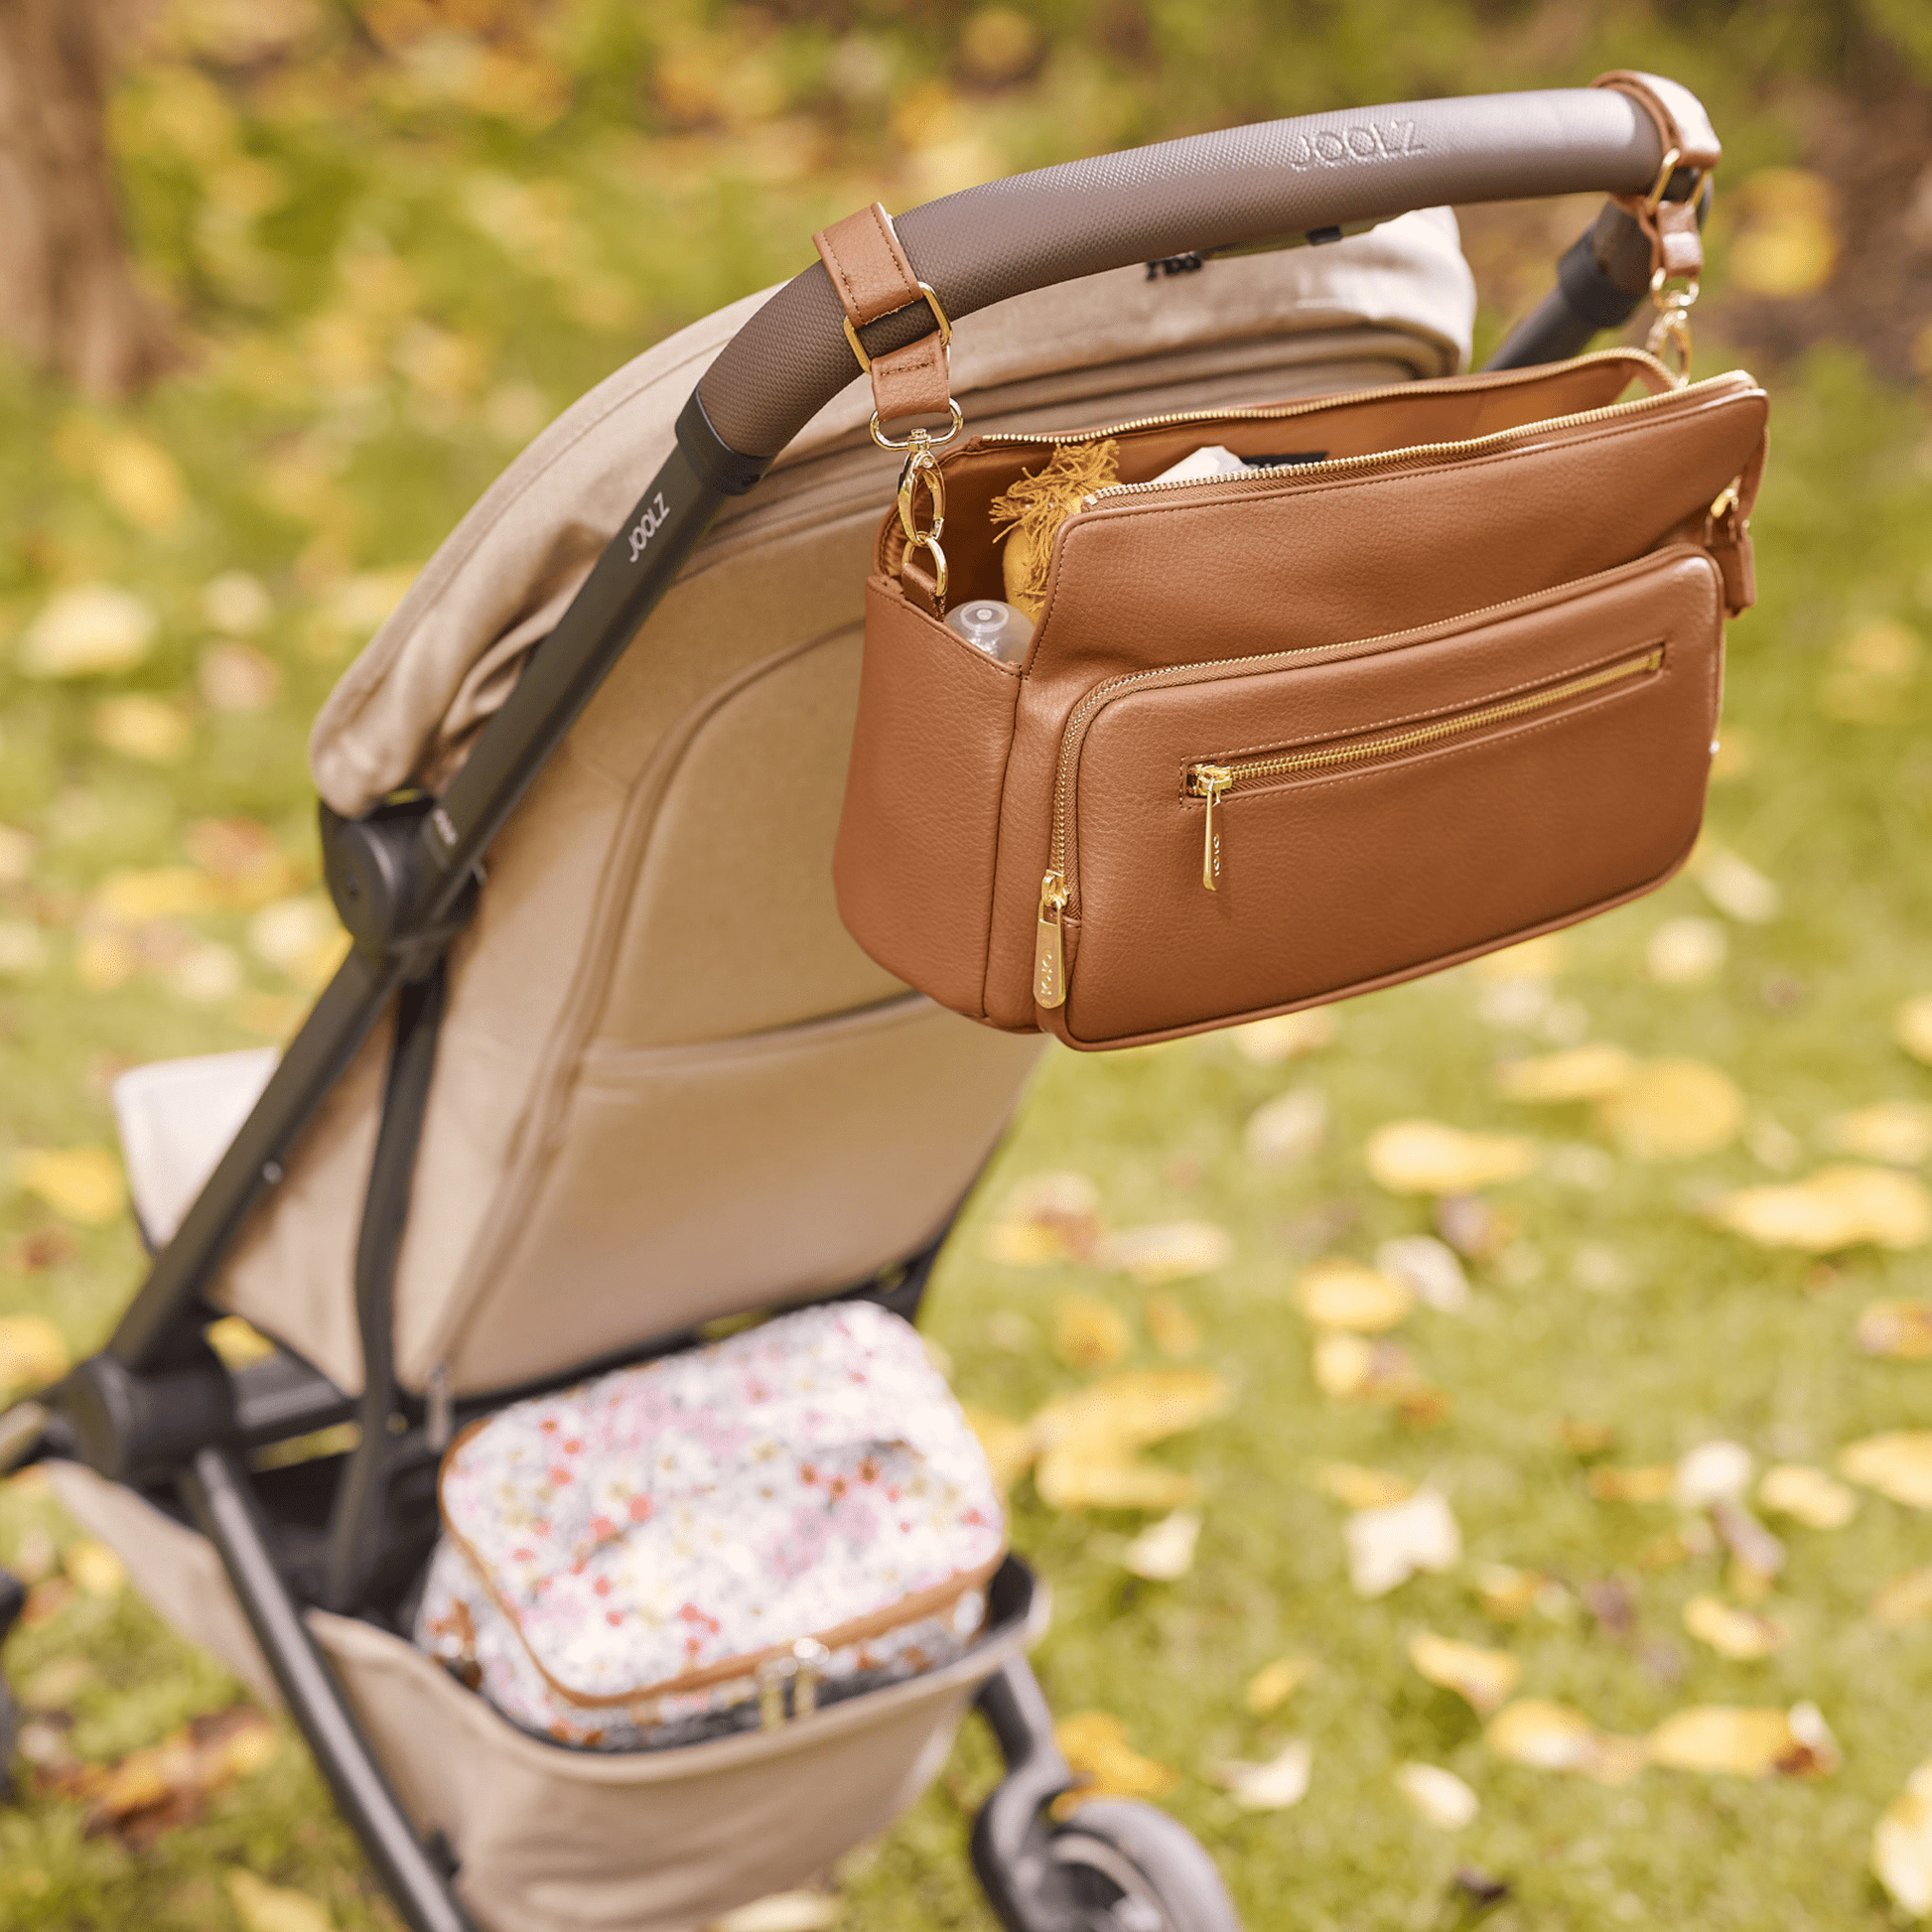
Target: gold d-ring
(932,302)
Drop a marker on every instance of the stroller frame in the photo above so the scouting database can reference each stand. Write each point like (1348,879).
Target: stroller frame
(156,1409)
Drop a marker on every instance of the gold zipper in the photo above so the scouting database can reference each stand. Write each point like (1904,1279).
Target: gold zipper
(1348,398)
(1213,782)
(1414,452)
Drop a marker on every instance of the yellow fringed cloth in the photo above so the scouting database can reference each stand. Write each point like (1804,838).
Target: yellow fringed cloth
(1034,509)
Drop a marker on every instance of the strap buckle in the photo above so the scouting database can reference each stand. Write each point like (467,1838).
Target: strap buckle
(932,302)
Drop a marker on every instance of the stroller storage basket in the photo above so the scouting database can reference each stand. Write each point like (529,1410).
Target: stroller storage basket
(553,1839)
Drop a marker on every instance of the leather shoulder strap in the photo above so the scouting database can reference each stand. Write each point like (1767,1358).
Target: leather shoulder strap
(872,278)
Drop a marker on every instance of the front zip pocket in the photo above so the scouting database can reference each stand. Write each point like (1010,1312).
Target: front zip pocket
(1212,782)
(1382,806)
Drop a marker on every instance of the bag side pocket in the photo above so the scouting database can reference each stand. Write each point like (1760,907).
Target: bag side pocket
(918,836)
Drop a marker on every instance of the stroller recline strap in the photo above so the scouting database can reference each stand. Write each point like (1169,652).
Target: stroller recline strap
(871,277)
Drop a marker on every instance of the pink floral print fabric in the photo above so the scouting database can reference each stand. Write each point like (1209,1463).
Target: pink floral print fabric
(624,1554)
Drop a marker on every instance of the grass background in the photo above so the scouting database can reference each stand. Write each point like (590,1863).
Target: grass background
(397,237)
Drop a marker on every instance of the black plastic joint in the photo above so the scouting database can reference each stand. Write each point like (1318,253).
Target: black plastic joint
(1590,289)
(373,868)
(715,463)
(131,1427)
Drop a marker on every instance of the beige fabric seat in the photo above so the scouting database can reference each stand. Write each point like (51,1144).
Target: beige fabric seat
(669,1086)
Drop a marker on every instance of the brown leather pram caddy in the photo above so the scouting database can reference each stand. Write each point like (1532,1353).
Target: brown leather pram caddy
(603,1067)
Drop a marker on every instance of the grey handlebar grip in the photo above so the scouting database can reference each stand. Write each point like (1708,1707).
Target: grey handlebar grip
(1271,181)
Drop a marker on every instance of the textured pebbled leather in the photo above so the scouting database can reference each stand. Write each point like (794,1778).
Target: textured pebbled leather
(1378,573)
(872,278)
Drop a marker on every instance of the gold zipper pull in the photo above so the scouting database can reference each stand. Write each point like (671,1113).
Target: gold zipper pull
(1049,973)
(1209,782)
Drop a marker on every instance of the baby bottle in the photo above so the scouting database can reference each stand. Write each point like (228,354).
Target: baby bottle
(992,627)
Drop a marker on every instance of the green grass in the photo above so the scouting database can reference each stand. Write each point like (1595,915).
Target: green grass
(386,281)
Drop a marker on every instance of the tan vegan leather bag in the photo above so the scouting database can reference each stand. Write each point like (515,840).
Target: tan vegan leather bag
(1447,679)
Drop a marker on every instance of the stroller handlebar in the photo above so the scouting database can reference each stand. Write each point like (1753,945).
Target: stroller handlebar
(1276,180)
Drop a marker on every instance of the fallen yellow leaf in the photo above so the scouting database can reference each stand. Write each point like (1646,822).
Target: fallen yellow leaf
(141,480)
(1901,1844)
(1788,243)
(1529,959)
(1440,1797)
(1176,1333)
(1686,952)
(163,893)
(1509,1595)
(1287,1035)
(1807,1496)
(1897,1132)
(1553,1737)
(1837,1208)
(1163,1552)
(32,1352)
(1869,671)
(1009,1444)
(1580,1073)
(1654,1484)
(1912,1026)
(1172,1251)
(1136,1407)
(82,1183)
(1274,1786)
(1340,1293)
(263,1907)
(1358,1488)
(1286,1129)
(1897,1464)
(1049,1217)
(95,1569)
(1745,1742)
(1094,1744)
(1089,1333)
(1742,1635)
(1484,1676)
(1101,1476)
(1673,1110)
(1274,1684)
(1427,1157)
(1388,1545)
(1905,1600)
(87,630)
(1901,1330)
(781,1912)
(140,726)
(301,937)
(236,1342)
(1735,886)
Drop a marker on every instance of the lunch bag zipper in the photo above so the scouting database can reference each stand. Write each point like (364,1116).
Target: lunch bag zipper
(1212,783)
(1055,889)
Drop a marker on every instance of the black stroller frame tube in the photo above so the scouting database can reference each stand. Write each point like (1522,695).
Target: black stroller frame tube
(1287,182)
(217,1493)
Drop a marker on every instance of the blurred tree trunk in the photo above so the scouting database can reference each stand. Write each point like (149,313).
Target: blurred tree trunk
(68,300)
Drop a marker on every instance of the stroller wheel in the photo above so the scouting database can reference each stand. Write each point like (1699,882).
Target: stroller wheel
(1133,1868)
